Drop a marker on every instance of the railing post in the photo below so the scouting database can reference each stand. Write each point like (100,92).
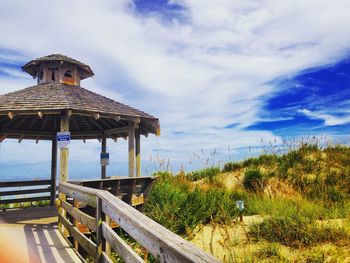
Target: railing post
(76,223)
(98,229)
(107,245)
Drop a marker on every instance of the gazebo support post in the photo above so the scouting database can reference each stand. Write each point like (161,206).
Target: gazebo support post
(64,155)
(138,152)
(53,170)
(103,150)
(131,139)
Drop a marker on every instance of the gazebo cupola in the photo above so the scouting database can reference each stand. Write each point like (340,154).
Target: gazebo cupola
(57,68)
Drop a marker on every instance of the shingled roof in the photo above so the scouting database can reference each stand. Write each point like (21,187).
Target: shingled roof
(49,97)
(53,99)
(31,66)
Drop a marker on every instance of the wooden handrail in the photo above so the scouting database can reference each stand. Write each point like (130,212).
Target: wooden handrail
(163,244)
(24,183)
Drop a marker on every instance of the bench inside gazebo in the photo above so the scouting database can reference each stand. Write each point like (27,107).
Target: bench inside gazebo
(59,110)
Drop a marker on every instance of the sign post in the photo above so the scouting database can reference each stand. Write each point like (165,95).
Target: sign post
(240,206)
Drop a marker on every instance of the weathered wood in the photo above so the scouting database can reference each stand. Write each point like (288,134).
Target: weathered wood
(53,170)
(84,242)
(107,245)
(146,193)
(103,150)
(138,152)
(130,193)
(131,140)
(83,194)
(119,245)
(23,200)
(24,183)
(80,216)
(25,191)
(161,242)
(99,229)
(64,153)
(105,258)
(116,131)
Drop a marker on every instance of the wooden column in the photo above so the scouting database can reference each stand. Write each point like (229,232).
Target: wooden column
(64,155)
(131,139)
(103,150)
(138,152)
(53,170)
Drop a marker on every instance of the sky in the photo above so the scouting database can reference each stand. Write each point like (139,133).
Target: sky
(224,77)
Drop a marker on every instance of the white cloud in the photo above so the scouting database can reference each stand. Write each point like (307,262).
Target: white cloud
(328,119)
(197,75)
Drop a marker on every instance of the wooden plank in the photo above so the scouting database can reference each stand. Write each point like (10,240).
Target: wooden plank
(25,191)
(23,200)
(83,194)
(78,214)
(146,193)
(137,200)
(103,150)
(83,218)
(130,192)
(114,178)
(64,155)
(165,245)
(99,229)
(24,183)
(107,245)
(105,258)
(84,242)
(138,152)
(131,140)
(119,245)
(53,169)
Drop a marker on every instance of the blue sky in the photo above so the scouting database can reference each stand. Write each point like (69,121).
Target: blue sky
(224,75)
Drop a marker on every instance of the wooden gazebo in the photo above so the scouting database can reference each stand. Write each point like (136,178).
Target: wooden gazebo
(59,104)
(89,212)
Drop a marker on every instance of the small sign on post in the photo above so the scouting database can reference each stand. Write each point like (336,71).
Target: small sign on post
(104,157)
(63,140)
(240,206)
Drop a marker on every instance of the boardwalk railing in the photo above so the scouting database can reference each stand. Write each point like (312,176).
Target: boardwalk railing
(163,244)
(24,191)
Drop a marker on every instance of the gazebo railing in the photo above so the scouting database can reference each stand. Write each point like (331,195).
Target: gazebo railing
(14,192)
(163,244)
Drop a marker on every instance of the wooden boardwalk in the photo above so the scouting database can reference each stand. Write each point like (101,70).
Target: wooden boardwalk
(31,235)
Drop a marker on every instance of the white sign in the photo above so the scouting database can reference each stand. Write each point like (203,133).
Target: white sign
(63,140)
(104,159)
(240,205)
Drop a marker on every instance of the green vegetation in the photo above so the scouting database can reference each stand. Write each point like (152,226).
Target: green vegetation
(208,173)
(24,205)
(175,205)
(295,194)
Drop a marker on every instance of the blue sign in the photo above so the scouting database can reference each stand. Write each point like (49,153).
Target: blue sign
(63,140)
